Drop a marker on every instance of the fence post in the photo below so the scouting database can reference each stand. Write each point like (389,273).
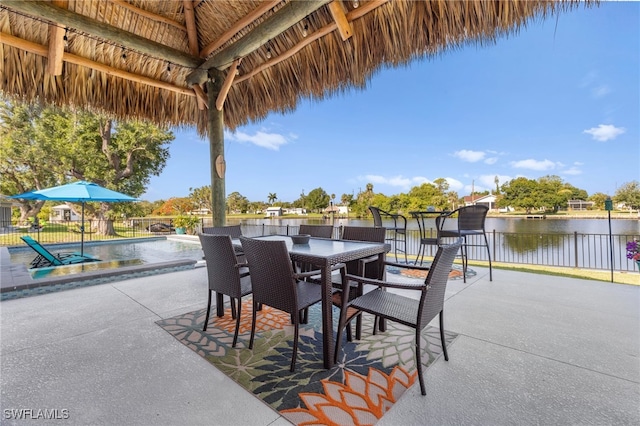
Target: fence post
(494,245)
(575,248)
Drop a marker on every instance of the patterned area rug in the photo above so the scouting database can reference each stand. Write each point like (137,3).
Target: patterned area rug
(370,376)
(455,274)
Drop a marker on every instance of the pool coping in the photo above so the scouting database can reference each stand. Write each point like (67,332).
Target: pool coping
(16,277)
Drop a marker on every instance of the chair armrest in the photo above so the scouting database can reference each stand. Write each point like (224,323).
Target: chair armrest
(405,266)
(379,283)
(300,275)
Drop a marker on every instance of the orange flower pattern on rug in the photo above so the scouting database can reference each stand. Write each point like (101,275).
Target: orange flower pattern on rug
(369,377)
(360,400)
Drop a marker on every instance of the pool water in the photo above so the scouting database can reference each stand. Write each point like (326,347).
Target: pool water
(112,254)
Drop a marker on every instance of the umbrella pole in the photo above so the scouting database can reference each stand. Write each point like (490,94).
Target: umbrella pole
(82,232)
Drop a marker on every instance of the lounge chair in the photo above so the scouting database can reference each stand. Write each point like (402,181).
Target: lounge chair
(45,258)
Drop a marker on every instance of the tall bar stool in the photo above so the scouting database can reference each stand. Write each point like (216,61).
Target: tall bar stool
(471,221)
(396,234)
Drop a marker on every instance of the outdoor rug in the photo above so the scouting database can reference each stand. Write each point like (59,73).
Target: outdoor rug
(370,376)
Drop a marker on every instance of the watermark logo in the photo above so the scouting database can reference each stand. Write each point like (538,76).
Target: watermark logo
(35,413)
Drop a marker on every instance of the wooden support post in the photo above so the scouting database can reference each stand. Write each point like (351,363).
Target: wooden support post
(215,127)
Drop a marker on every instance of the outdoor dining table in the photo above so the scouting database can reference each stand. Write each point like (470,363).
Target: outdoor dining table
(324,254)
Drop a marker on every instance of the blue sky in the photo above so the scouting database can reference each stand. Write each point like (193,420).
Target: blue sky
(561,97)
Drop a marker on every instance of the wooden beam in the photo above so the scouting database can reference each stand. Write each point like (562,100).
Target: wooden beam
(289,15)
(233,30)
(338,12)
(327,29)
(107,32)
(56,44)
(201,97)
(148,14)
(192,30)
(226,86)
(38,49)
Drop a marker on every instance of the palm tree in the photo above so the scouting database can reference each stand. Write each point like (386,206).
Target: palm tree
(272,197)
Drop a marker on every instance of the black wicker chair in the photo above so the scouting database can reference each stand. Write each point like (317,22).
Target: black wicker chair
(396,234)
(225,274)
(234,231)
(370,267)
(413,313)
(470,224)
(277,285)
(317,231)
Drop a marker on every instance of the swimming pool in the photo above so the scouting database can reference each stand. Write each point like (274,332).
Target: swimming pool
(135,251)
(119,260)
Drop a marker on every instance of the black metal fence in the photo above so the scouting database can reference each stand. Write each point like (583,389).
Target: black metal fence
(576,250)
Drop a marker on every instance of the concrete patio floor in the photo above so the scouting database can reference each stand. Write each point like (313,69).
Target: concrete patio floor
(532,350)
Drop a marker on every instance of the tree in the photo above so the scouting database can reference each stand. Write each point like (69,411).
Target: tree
(346,199)
(519,193)
(272,197)
(60,145)
(121,156)
(598,200)
(236,202)
(317,199)
(201,197)
(629,194)
(28,152)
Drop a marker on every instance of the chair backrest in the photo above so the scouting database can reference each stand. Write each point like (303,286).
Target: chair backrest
(38,248)
(223,275)
(472,218)
(234,231)
(432,300)
(271,270)
(377,216)
(318,231)
(364,233)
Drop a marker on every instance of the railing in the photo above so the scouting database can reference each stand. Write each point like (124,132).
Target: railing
(576,250)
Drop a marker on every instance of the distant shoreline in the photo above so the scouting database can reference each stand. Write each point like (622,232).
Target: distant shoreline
(543,216)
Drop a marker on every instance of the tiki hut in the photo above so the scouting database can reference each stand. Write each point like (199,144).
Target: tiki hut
(217,63)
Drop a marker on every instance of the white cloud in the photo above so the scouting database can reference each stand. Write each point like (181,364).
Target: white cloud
(572,171)
(589,79)
(532,164)
(491,160)
(604,132)
(578,163)
(262,139)
(469,156)
(402,182)
(600,91)
(489,181)
(454,184)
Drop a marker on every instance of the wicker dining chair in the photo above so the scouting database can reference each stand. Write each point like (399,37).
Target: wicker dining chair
(234,231)
(470,224)
(414,313)
(370,267)
(225,274)
(317,231)
(277,285)
(397,233)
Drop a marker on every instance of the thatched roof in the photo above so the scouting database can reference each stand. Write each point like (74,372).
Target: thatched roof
(148,58)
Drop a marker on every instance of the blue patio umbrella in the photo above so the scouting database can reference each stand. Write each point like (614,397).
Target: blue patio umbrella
(78,192)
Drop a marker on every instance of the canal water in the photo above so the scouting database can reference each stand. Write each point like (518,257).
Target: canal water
(582,243)
(511,225)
